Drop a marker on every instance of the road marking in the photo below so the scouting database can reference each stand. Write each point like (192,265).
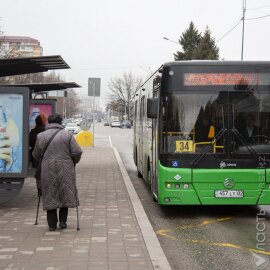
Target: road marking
(110,141)
(204,223)
(165,232)
(229,245)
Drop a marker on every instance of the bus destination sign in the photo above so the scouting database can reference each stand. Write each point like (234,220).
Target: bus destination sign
(198,79)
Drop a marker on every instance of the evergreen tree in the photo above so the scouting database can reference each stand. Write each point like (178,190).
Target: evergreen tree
(197,46)
(207,49)
(189,41)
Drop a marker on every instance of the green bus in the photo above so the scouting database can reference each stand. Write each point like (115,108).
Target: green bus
(201,133)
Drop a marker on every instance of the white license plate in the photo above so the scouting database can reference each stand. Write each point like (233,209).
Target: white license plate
(229,193)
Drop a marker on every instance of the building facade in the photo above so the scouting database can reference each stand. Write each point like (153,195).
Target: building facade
(20,46)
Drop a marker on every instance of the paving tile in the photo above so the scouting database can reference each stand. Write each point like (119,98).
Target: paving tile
(109,239)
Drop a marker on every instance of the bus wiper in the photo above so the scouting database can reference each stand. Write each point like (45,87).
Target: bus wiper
(261,161)
(196,160)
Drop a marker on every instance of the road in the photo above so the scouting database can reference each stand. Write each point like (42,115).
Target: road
(199,237)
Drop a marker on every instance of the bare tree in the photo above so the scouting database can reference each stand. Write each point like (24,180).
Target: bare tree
(123,91)
(3,52)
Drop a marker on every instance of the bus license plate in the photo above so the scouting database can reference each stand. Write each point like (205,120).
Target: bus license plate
(229,193)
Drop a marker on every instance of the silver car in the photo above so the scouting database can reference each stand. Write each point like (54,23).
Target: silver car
(115,123)
(73,127)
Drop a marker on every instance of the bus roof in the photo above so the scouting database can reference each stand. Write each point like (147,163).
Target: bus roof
(216,63)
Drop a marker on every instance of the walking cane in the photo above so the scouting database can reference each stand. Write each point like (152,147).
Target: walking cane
(77,209)
(37,210)
(77,202)
(78,225)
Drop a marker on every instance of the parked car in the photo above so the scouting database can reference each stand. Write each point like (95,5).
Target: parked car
(73,127)
(115,123)
(106,124)
(125,124)
(66,121)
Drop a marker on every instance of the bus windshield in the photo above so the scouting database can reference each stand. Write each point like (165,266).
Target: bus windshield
(195,121)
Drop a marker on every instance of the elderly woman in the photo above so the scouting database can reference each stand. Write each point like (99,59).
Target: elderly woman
(58,179)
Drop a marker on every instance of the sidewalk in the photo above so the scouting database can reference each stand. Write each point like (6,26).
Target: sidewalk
(110,237)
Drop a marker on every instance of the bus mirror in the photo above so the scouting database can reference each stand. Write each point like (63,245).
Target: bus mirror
(152,108)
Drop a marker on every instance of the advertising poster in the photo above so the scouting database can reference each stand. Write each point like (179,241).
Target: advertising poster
(40,107)
(11,133)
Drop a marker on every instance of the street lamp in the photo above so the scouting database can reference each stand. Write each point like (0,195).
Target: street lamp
(171,40)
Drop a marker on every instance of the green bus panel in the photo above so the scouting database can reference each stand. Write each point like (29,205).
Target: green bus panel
(174,177)
(268,176)
(265,197)
(237,175)
(206,193)
(182,186)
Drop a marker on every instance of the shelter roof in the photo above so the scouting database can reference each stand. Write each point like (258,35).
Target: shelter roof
(26,65)
(44,87)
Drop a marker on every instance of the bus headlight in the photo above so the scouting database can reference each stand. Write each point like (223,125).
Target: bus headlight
(168,185)
(167,200)
(186,186)
(177,186)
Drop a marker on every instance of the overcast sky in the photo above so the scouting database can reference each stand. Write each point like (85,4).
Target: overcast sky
(104,38)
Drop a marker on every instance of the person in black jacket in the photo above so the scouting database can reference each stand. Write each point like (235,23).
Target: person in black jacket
(40,127)
(250,132)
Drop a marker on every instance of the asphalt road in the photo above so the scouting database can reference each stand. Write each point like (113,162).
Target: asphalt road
(199,237)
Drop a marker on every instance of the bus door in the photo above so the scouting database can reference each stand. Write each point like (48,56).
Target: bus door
(154,148)
(141,134)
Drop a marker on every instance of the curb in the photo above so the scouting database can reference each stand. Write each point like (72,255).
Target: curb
(155,251)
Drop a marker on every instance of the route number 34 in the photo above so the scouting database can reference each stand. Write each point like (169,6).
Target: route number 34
(184,146)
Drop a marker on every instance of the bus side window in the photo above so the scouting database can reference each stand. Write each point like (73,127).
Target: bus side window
(142,110)
(135,115)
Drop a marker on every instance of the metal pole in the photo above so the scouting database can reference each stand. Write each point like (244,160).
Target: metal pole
(65,106)
(69,113)
(243,29)
(94,92)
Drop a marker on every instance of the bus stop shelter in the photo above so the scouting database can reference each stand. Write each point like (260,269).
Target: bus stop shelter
(11,183)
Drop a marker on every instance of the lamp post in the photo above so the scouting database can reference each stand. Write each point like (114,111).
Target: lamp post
(94,94)
(171,40)
(243,29)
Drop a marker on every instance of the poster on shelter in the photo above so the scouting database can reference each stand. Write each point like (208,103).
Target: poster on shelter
(44,108)
(11,133)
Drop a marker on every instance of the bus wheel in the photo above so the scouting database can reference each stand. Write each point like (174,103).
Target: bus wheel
(149,180)
(154,198)
(139,174)
(136,158)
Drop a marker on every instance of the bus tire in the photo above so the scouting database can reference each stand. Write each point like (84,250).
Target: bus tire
(136,158)
(136,162)
(150,182)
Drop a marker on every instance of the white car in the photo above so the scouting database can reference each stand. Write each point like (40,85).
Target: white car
(73,127)
(115,123)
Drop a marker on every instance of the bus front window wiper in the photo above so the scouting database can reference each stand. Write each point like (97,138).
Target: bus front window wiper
(261,161)
(196,160)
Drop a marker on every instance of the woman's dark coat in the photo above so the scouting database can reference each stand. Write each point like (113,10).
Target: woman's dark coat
(32,141)
(58,178)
